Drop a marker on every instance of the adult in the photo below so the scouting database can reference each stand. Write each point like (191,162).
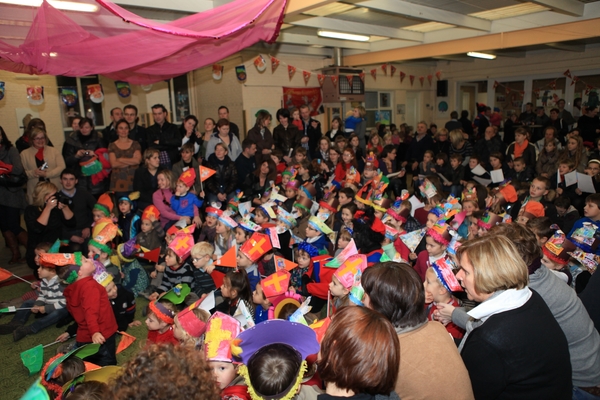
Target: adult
(82,147)
(145,180)
(418,146)
(360,355)
(441,144)
(430,366)
(24,141)
(522,147)
(589,124)
(509,128)
(233,128)
(41,162)
(81,202)
(488,144)
(261,135)
(125,156)
(210,127)
(541,121)
(387,165)
(454,123)
(311,131)
(577,108)
(337,129)
(560,125)
(136,132)
(225,136)
(164,137)
(513,347)
(12,198)
(550,135)
(482,120)
(46,219)
(258,182)
(109,133)
(467,125)
(246,162)
(221,186)
(527,117)
(286,135)
(361,127)
(189,133)
(161,198)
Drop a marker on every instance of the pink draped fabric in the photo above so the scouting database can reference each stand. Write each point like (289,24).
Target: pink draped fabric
(123,46)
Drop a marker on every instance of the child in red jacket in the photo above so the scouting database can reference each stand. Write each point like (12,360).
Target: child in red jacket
(88,303)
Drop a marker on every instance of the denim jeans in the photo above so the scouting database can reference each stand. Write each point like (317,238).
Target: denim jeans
(579,394)
(41,323)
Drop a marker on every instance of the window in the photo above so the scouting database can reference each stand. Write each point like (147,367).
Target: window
(71,107)
(181,98)
(379,108)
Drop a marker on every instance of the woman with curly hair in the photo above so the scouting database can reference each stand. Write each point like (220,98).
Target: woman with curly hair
(145,376)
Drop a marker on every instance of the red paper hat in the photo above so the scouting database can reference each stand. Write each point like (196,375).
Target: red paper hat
(330,202)
(440,233)
(190,322)
(188,177)
(276,284)
(350,269)
(533,209)
(509,193)
(443,269)
(558,247)
(371,161)
(213,211)
(293,184)
(257,246)
(151,212)
(182,245)
(105,204)
(221,330)
(320,327)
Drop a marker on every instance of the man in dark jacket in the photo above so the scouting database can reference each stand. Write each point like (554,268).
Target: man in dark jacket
(246,162)
(136,132)
(312,131)
(164,136)
(488,144)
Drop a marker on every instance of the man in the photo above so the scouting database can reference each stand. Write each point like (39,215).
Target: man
(527,117)
(233,128)
(164,136)
(246,162)
(311,131)
(82,204)
(488,144)
(589,125)
(453,123)
(136,132)
(563,114)
(482,120)
(560,126)
(467,125)
(110,132)
(418,146)
(541,120)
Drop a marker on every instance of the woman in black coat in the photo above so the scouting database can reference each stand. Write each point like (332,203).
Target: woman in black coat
(145,179)
(258,182)
(221,186)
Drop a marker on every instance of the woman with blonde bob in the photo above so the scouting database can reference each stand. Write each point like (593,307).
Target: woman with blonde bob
(513,348)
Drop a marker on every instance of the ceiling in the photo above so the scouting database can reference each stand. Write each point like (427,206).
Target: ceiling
(425,30)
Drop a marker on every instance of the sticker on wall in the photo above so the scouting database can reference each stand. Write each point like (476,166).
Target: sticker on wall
(146,88)
(95,93)
(35,95)
(217,72)
(123,89)
(1,90)
(260,63)
(68,95)
(240,72)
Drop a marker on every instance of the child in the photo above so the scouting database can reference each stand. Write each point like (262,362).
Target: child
(291,193)
(521,172)
(470,204)
(100,248)
(556,256)
(300,154)
(69,368)
(159,321)
(532,209)
(538,189)
(543,229)
(209,228)
(135,277)
(236,290)
(296,120)
(255,248)
(441,164)
(178,267)
(426,166)
(347,212)
(344,238)
(263,214)
(457,174)
(302,208)
(189,325)
(374,143)
(50,304)
(316,234)
(266,291)
(344,278)
(203,283)
(225,238)
(88,304)
(567,214)
(277,157)
(352,119)
(437,240)
(341,143)
(303,256)
(504,197)
(188,162)
(244,230)
(547,162)
(152,233)
(558,181)
(105,207)
(583,232)
(185,203)
(497,164)
(482,222)
(129,221)
(440,282)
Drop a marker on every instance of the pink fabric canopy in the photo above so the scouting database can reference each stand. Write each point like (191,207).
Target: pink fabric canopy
(123,46)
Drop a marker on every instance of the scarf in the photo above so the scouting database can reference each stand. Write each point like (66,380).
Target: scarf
(520,148)
(40,154)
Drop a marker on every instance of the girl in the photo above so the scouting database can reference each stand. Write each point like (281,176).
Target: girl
(387,139)
(189,326)
(337,129)
(344,237)
(296,119)
(354,143)
(437,240)
(225,238)
(151,233)
(576,151)
(348,162)
(302,213)
(497,164)
(323,150)
(159,321)
(375,143)
(344,279)
(243,231)
(303,256)
(470,204)
(426,166)
(521,147)
(547,162)
(209,229)
(236,290)
(348,211)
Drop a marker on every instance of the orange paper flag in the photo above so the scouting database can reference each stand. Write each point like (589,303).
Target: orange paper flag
(281,262)
(229,259)
(126,340)
(205,173)
(151,255)
(4,274)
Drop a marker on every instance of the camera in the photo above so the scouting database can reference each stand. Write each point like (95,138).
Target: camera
(63,199)
(44,166)
(87,153)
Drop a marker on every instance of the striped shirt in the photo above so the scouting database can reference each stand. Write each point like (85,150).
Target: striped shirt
(172,278)
(51,295)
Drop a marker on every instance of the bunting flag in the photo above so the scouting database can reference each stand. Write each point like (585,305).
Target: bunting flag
(291,71)
(402,76)
(362,76)
(229,259)
(421,79)
(522,93)
(574,80)
(392,70)
(567,73)
(438,75)
(205,173)
(126,341)
(260,63)
(384,69)
(217,72)
(321,79)
(552,84)
(282,263)
(374,73)
(334,79)
(412,79)
(507,90)
(429,78)
(274,64)
(496,84)
(588,89)
(350,79)
(306,76)
(217,277)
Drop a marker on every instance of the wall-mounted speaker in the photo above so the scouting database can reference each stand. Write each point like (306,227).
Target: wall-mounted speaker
(442,88)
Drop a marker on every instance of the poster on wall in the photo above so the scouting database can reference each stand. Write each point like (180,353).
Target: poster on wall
(383,117)
(548,99)
(296,97)
(442,108)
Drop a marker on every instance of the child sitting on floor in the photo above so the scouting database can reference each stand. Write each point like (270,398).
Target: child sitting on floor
(253,250)
(185,202)
(266,291)
(202,254)
(178,266)
(236,290)
(189,325)
(159,321)
(151,232)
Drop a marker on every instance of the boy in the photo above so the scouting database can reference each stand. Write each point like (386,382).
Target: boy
(188,162)
(250,252)
(567,214)
(185,203)
(521,172)
(565,166)
(152,233)
(537,191)
(457,174)
(532,209)
(100,248)
(556,256)
(266,291)
(277,157)
(179,268)
(303,171)
(203,266)
(583,233)
(299,155)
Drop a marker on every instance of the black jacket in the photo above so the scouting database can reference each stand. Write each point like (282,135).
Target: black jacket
(169,139)
(286,139)
(145,183)
(75,142)
(225,178)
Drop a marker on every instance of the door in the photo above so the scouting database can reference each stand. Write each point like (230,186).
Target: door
(413,116)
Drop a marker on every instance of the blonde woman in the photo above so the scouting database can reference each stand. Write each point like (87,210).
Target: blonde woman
(459,145)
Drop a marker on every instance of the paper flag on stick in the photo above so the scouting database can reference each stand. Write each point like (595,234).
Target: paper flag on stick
(151,255)
(205,173)
(217,277)
(281,262)
(412,239)
(126,341)
(229,259)
(34,358)
(80,352)
(13,309)
(5,274)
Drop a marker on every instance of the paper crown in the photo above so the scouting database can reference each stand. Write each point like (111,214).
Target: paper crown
(221,330)
(488,220)
(150,213)
(267,208)
(371,161)
(131,197)
(588,260)
(102,239)
(190,323)
(440,233)
(351,269)
(391,233)
(256,247)
(293,184)
(182,245)
(382,204)
(363,195)
(308,248)
(469,195)
(444,270)
(303,202)
(105,204)
(249,226)
(228,221)
(291,171)
(104,374)
(126,250)
(49,260)
(558,248)
(176,296)
(532,209)
(319,225)
(235,200)
(586,237)
(286,217)
(508,192)
(330,202)
(188,177)
(397,212)
(276,284)
(309,189)
(214,211)
(101,275)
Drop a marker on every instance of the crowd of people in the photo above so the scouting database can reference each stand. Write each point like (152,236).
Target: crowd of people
(450,263)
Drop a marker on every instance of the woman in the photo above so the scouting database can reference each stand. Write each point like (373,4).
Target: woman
(360,355)
(337,129)
(521,147)
(441,144)
(12,199)
(45,219)
(459,145)
(361,128)
(221,186)
(576,151)
(286,135)
(81,148)
(260,181)
(145,179)
(234,148)
(430,366)
(387,165)
(41,162)
(322,152)
(210,127)
(261,135)
(162,198)
(125,156)
(513,348)
(189,133)
(24,141)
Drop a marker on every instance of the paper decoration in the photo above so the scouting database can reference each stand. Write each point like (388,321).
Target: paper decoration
(291,71)
(123,89)
(146,88)
(282,263)
(274,238)
(229,259)
(260,63)
(217,72)
(350,78)
(348,251)
(384,69)
(35,95)
(362,76)
(374,73)
(334,79)
(402,76)
(412,79)
(495,85)
(95,93)
(507,90)
(68,95)
(217,277)
(421,79)
(438,75)
(429,79)
(392,70)
(574,80)
(274,64)
(321,79)
(306,76)
(205,173)
(412,239)
(126,341)
(152,255)
(209,301)
(552,84)
(1,90)
(240,73)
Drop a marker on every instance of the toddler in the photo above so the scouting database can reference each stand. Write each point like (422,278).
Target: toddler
(159,321)
(185,203)
(129,221)
(250,253)
(100,248)
(344,278)
(189,325)
(152,233)
(209,229)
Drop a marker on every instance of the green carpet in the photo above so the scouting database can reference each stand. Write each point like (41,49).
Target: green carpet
(15,379)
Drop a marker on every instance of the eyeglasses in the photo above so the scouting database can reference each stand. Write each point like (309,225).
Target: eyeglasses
(39,138)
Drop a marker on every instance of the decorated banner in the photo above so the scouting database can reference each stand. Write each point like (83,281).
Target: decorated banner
(362,76)
(321,79)
(1,90)
(95,93)
(552,85)
(438,75)
(240,73)
(334,79)
(217,72)
(384,69)
(421,79)
(306,76)
(574,80)
(567,73)
(68,95)
(123,89)
(495,85)
(274,64)
(402,76)
(260,63)
(429,78)
(392,70)
(374,73)
(297,97)
(291,71)
(35,95)
(350,78)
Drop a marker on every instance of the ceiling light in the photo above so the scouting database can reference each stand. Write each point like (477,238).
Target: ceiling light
(481,55)
(343,36)
(61,5)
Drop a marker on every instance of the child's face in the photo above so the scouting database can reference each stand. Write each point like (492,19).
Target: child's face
(182,187)
(284,180)
(522,219)
(200,262)
(473,228)
(343,242)
(224,373)
(336,288)
(346,216)
(226,290)
(341,146)
(290,193)
(275,159)
(427,158)
(311,232)
(186,156)
(87,268)
(211,220)
(454,163)
(125,207)
(111,291)
(243,261)
(591,211)
(343,199)
(146,225)
(519,138)
(550,147)
(561,211)
(323,145)
(221,228)
(369,173)
(495,163)
(469,207)
(296,115)
(572,144)
(299,157)
(171,260)
(97,214)
(259,298)
(593,169)
(260,218)
(303,259)
(518,166)
(431,220)
(354,142)
(46,273)
(433,286)
(95,253)
(563,169)
(240,235)
(434,248)
(38,253)
(302,171)
(473,163)
(548,263)
(439,162)
(155,324)
(537,189)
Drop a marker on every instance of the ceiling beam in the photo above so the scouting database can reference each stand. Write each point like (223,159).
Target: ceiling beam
(456,58)
(295,7)
(569,7)
(334,24)
(510,54)
(417,11)
(179,5)
(278,48)
(506,40)
(294,38)
(577,48)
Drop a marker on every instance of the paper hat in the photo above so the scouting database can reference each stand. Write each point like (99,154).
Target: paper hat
(126,250)
(228,221)
(588,260)
(348,271)
(49,260)
(151,212)
(249,226)
(102,240)
(330,202)
(213,211)
(286,217)
(532,209)
(440,233)
(319,225)
(311,250)
(397,212)
(371,161)
(363,195)
(382,204)
(391,233)
(104,374)
(235,200)
(190,323)
(267,208)
(376,224)
(276,284)
(188,177)
(291,171)
(256,247)
(586,237)
(176,296)
(488,220)
(352,176)
(508,193)
(469,195)
(221,330)
(444,270)
(101,275)
(293,184)
(105,204)
(309,189)
(304,203)
(182,245)
(131,197)
(558,248)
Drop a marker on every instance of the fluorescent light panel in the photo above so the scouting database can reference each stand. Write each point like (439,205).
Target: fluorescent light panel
(343,36)
(481,55)
(61,5)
